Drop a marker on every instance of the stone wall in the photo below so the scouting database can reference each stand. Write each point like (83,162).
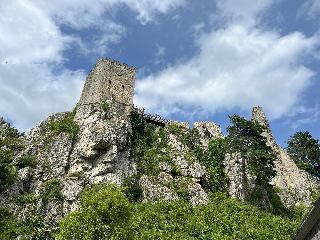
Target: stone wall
(109,80)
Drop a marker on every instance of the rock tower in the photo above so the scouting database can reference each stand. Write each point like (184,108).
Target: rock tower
(295,186)
(109,81)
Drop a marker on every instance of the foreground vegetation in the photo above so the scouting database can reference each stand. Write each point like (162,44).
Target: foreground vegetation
(110,212)
(106,213)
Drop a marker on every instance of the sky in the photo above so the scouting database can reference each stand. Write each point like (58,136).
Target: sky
(197,60)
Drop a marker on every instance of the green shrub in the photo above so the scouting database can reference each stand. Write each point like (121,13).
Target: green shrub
(305,151)
(212,159)
(27,161)
(7,170)
(246,137)
(10,144)
(105,214)
(67,125)
(149,145)
(51,190)
(8,225)
(133,190)
(27,198)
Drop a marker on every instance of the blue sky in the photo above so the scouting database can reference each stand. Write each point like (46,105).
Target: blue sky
(196,60)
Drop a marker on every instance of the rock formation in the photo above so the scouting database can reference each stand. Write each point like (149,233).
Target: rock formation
(295,186)
(92,145)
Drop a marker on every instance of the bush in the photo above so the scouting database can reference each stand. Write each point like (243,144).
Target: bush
(133,190)
(51,190)
(10,143)
(26,161)
(149,146)
(8,225)
(245,137)
(67,125)
(7,171)
(27,198)
(212,159)
(105,214)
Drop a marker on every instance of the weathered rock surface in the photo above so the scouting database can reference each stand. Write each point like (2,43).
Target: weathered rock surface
(295,185)
(208,131)
(100,153)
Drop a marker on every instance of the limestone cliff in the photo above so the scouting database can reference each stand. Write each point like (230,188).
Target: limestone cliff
(93,144)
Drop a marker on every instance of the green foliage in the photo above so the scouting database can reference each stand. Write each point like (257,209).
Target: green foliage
(32,228)
(26,161)
(149,145)
(107,214)
(27,198)
(181,188)
(213,161)
(8,225)
(176,129)
(51,190)
(132,188)
(305,151)
(176,171)
(10,143)
(7,171)
(77,174)
(245,137)
(67,125)
(10,139)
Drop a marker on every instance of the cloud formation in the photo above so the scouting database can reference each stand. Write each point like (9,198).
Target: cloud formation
(245,11)
(238,66)
(311,8)
(33,79)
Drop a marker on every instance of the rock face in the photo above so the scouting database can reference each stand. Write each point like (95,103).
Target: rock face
(92,145)
(295,185)
(208,131)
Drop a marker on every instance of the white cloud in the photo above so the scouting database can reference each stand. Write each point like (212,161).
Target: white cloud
(83,13)
(306,115)
(30,92)
(245,11)
(311,8)
(237,67)
(33,79)
(32,83)
(28,35)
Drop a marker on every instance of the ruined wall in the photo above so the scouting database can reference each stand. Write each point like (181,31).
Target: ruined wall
(109,80)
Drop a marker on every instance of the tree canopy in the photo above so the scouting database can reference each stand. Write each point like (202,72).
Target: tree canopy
(305,151)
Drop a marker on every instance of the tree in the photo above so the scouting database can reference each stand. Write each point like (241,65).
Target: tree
(305,151)
(245,137)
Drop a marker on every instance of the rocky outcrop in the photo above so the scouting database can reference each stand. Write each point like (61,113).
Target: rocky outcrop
(295,186)
(92,145)
(184,181)
(208,131)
